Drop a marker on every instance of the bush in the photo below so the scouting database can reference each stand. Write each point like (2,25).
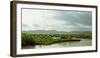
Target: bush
(46,39)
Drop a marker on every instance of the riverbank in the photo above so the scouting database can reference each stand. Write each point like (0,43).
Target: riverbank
(85,42)
(47,39)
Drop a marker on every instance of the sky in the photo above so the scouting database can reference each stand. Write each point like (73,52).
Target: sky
(59,20)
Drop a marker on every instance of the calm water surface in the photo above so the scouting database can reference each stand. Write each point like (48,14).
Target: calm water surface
(83,42)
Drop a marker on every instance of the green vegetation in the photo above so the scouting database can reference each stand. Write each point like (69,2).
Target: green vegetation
(46,39)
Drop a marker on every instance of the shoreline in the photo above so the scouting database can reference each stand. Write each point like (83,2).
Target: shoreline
(54,42)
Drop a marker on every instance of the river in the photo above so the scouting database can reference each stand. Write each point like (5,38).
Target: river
(83,42)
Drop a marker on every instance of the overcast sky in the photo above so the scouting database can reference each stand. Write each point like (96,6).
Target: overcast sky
(59,20)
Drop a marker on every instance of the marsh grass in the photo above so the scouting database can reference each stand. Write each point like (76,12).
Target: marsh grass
(47,39)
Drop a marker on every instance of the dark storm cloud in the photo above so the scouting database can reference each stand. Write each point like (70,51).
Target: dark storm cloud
(80,20)
(83,17)
(36,25)
(63,20)
(25,25)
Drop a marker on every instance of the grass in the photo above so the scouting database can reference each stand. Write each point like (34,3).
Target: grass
(46,39)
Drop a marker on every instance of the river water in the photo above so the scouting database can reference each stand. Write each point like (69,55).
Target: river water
(83,42)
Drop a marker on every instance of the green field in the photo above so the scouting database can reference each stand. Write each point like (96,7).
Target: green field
(46,39)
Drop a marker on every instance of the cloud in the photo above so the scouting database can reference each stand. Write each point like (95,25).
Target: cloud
(83,26)
(36,25)
(84,17)
(25,25)
(36,19)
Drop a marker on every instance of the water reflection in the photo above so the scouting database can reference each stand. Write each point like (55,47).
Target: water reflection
(83,42)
